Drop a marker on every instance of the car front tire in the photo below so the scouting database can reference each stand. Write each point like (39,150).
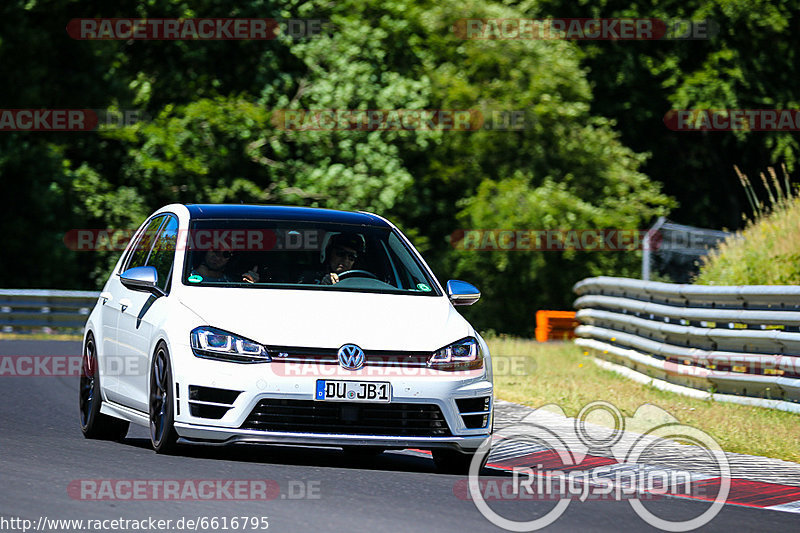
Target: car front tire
(162,418)
(94,424)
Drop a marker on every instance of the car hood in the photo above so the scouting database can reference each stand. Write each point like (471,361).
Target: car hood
(329,319)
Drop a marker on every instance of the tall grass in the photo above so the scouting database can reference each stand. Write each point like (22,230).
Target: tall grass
(767,251)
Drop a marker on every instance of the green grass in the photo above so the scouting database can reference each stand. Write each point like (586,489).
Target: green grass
(767,252)
(560,373)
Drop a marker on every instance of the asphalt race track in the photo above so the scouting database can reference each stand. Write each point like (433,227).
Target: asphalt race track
(44,456)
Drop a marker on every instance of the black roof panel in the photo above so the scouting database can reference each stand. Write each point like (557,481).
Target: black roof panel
(280,212)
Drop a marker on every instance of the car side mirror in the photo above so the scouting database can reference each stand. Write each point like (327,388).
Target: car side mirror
(142,279)
(462,293)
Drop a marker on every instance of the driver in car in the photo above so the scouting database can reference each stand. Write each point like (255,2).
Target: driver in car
(341,253)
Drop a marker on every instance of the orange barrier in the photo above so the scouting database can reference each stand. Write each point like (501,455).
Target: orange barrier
(555,325)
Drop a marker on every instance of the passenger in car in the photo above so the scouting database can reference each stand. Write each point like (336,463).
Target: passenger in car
(212,268)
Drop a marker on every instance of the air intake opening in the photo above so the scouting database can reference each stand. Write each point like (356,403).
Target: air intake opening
(475,411)
(207,411)
(210,402)
(473,405)
(210,394)
(475,421)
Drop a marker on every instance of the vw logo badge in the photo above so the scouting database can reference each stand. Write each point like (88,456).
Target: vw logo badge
(351,357)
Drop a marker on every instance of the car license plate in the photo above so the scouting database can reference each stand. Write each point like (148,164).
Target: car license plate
(354,391)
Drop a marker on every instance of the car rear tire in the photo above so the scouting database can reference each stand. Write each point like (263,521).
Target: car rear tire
(94,424)
(161,405)
(454,462)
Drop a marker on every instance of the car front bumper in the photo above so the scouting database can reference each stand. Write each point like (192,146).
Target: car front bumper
(277,381)
(194,434)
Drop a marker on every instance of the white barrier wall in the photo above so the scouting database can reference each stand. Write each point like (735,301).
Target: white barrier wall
(741,340)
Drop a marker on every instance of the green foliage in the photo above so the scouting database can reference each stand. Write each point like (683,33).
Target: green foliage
(565,170)
(195,152)
(113,208)
(517,283)
(214,135)
(751,63)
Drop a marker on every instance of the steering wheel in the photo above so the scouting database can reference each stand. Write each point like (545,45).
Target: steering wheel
(357,273)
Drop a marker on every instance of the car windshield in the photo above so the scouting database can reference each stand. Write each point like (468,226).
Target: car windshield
(302,255)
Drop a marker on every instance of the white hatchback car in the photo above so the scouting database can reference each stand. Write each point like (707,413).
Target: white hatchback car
(233,323)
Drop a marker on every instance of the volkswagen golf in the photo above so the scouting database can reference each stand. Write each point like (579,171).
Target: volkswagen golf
(224,324)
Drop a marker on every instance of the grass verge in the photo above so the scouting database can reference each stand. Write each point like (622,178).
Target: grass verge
(559,373)
(40,337)
(766,252)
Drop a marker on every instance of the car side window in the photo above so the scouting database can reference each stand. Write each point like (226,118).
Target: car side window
(142,249)
(163,253)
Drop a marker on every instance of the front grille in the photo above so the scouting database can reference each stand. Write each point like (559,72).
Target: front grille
(329,356)
(309,416)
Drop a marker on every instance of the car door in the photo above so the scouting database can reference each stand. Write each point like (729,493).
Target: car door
(117,304)
(137,322)
(109,314)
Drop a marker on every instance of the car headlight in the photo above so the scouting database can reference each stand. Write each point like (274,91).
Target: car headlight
(213,343)
(465,354)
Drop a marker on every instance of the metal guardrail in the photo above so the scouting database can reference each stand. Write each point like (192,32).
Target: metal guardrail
(741,340)
(33,310)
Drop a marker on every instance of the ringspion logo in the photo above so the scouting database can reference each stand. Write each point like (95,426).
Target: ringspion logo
(594,458)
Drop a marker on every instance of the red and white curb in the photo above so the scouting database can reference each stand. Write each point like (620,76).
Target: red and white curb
(547,462)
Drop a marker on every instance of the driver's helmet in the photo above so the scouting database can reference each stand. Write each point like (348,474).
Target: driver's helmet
(350,239)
